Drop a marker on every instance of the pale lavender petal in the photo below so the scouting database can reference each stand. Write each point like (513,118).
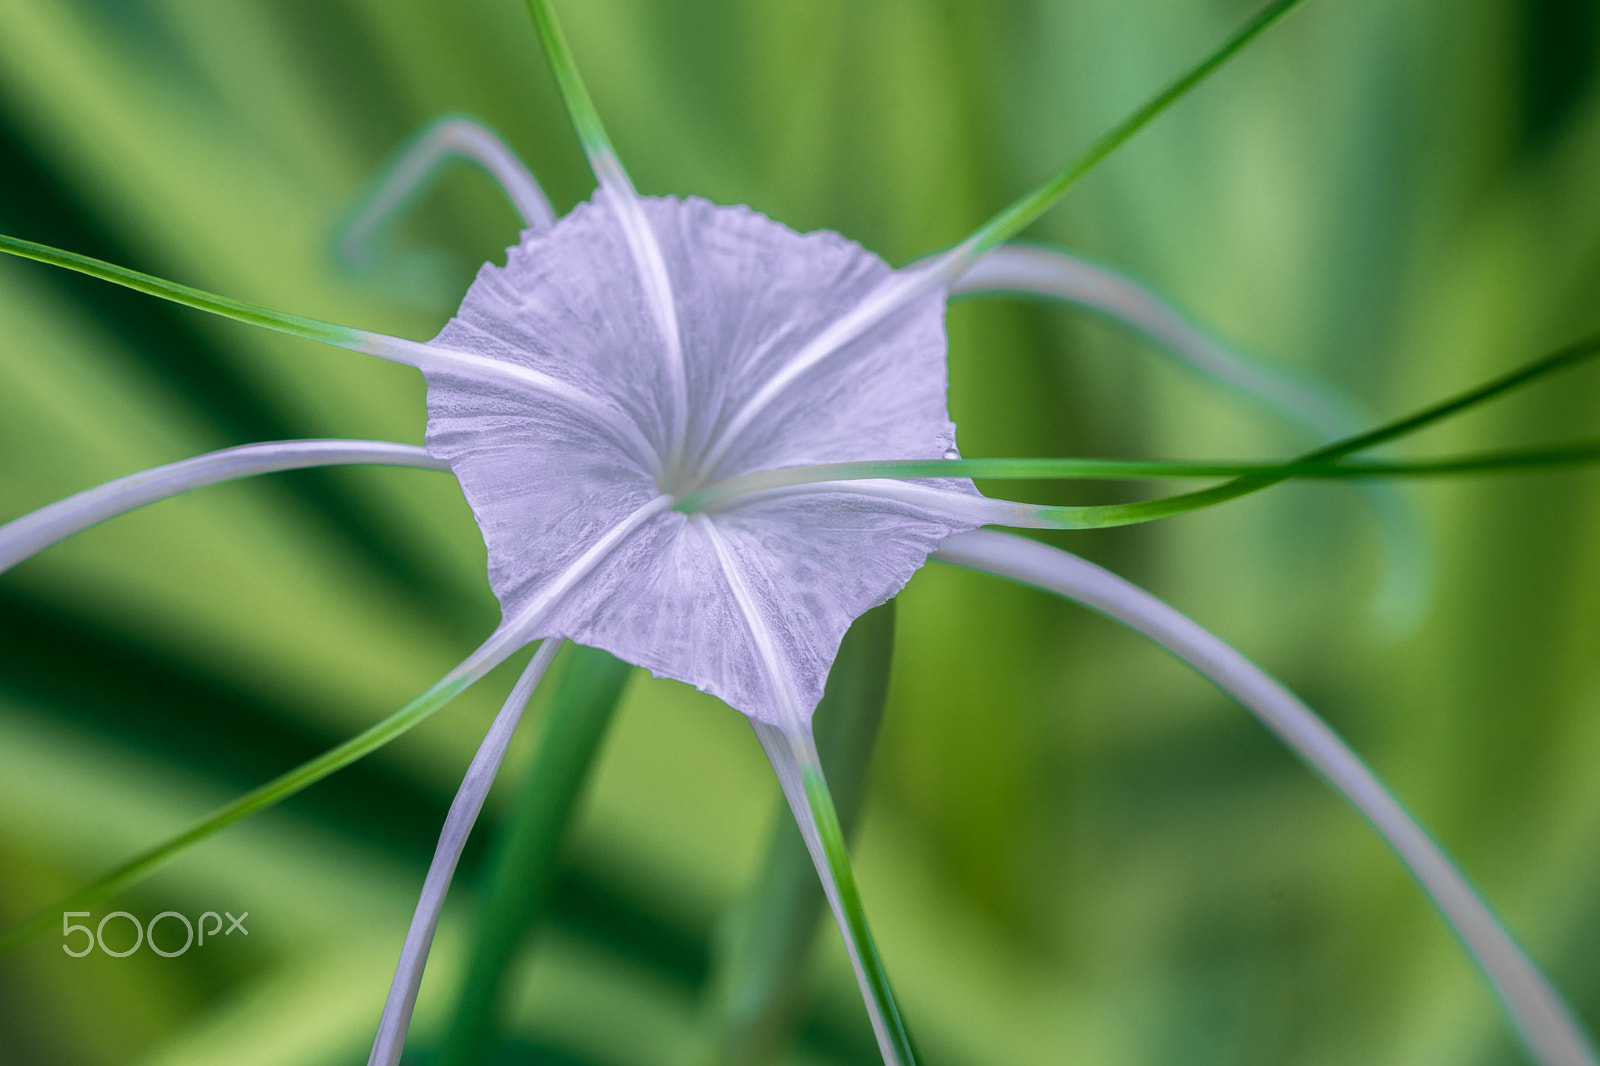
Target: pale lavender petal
(458,823)
(1551,1032)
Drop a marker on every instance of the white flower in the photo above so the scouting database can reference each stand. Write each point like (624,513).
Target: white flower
(636,406)
(662,390)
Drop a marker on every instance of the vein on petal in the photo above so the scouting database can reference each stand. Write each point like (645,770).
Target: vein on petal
(429,357)
(549,597)
(756,623)
(897,292)
(652,267)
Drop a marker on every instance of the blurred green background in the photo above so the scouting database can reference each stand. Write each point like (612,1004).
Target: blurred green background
(1072,848)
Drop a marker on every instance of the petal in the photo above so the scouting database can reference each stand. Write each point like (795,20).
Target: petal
(568,303)
(812,565)
(752,292)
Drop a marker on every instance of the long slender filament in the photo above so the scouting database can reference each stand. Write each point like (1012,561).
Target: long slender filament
(458,823)
(1510,460)
(1546,1024)
(420,159)
(511,635)
(618,191)
(1310,404)
(425,357)
(32,533)
(793,755)
(1015,218)
(938,272)
(799,772)
(836,477)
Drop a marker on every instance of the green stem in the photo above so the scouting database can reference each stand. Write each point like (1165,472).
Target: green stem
(1011,221)
(238,310)
(522,869)
(844,879)
(580,107)
(1140,470)
(1325,458)
(758,970)
(1572,355)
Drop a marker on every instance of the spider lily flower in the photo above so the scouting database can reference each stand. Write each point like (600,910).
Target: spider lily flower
(610,401)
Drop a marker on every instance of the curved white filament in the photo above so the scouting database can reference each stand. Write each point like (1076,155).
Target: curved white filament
(790,749)
(1547,1026)
(646,253)
(430,357)
(32,533)
(789,754)
(511,634)
(1039,271)
(420,159)
(1047,272)
(464,810)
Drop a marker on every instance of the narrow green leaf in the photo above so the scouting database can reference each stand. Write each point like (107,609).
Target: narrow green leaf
(759,967)
(522,870)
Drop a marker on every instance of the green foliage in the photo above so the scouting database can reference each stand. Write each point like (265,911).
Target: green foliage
(1071,848)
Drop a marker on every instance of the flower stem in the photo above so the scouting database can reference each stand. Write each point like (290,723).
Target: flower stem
(522,869)
(580,107)
(854,914)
